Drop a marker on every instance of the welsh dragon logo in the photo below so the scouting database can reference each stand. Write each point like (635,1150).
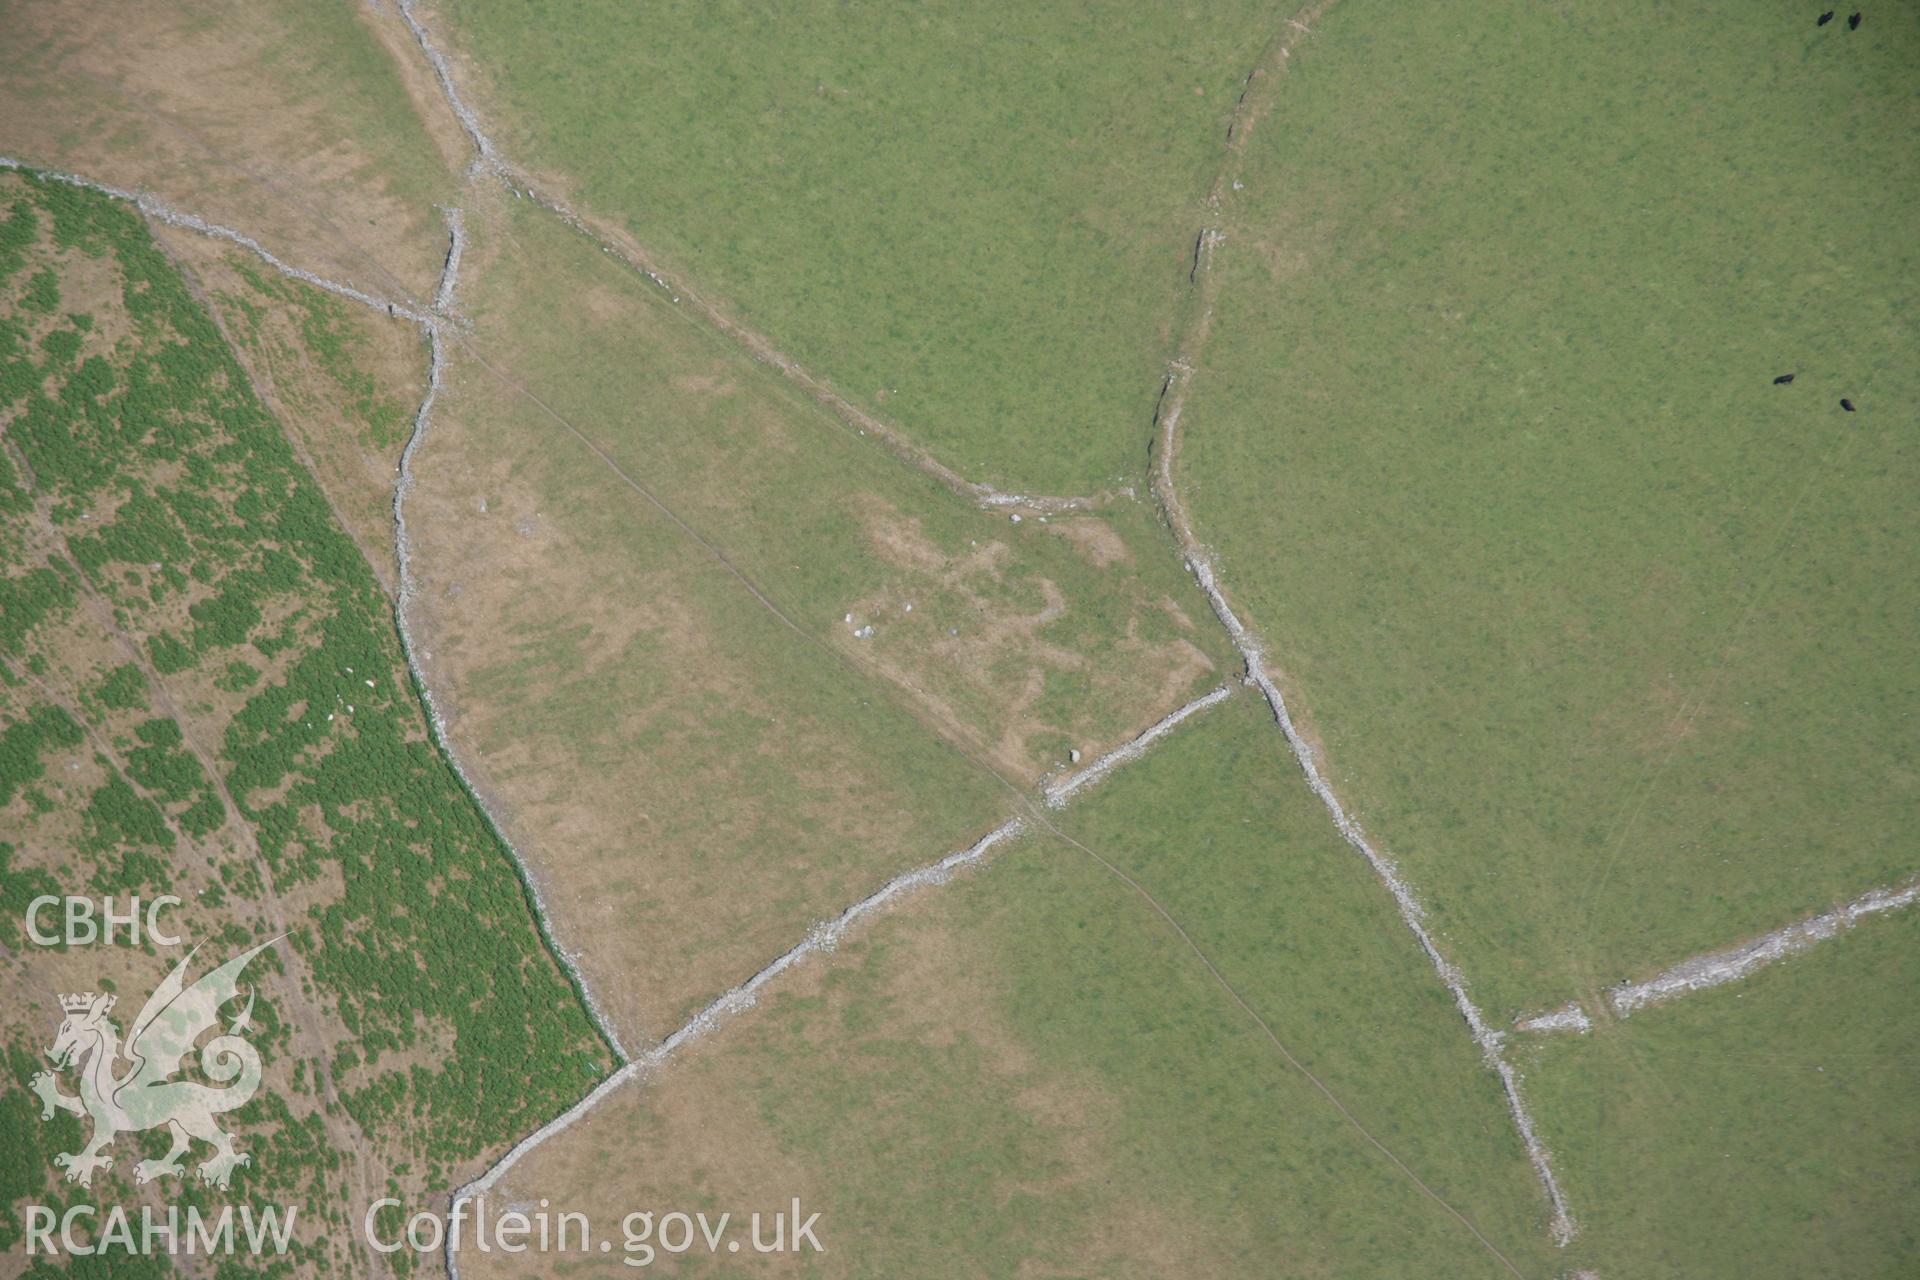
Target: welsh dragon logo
(144,1095)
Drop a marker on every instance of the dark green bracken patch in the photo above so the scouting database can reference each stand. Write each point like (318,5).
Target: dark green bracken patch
(22,742)
(183,506)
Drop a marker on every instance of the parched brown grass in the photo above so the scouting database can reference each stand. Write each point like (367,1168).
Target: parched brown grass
(297,124)
(1025,1072)
(693,786)
(724,665)
(345,380)
(890,1088)
(984,679)
(201,695)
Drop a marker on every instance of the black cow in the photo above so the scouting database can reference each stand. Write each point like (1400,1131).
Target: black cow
(1853,23)
(1825,18)
(1846,404)
(1783,380)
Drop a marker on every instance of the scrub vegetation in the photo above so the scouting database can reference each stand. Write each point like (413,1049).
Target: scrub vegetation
(1540,390)
(153,514)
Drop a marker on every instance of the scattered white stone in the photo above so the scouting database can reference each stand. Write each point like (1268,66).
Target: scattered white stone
(1073,755)
(909,607)
(1016,518)
(847,618)
(1569,1017)
(369,684)
(1715,968)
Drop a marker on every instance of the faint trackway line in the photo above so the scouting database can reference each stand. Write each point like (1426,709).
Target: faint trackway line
(1718,968)
(890,680)
(1173,398)
(437,325)
(1653,771)
(489,159)
(441,328)
(1287,1054)
(272,906)
(431,325)
(438,328)
(823,937)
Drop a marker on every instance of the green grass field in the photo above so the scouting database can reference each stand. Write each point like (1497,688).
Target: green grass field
(1219,827)
(825,521)
(1072,1090)
(1764,1129)
(1606,635)
(974,221)
(760,765)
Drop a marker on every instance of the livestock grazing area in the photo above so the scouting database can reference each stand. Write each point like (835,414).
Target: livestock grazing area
(1081,639)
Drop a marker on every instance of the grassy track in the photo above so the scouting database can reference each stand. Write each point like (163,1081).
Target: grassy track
(1603,632)
(1606,636)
